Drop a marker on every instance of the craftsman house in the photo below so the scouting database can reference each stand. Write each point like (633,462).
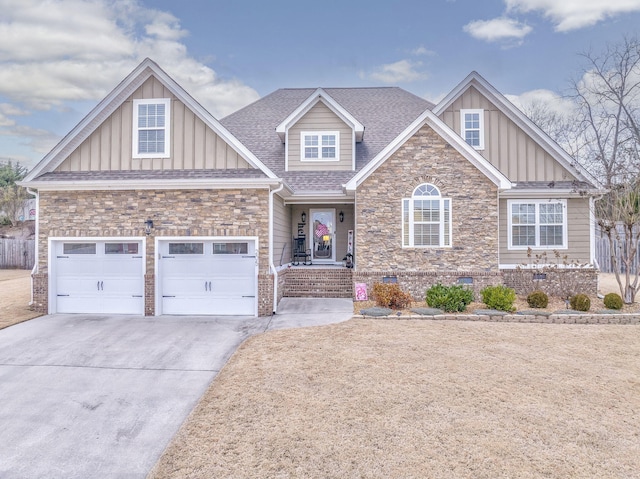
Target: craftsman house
(152,206)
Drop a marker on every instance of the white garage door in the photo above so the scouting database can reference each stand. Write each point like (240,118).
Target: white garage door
(99,277)
(208,277)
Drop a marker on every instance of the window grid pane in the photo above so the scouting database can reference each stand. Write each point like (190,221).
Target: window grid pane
(537,224)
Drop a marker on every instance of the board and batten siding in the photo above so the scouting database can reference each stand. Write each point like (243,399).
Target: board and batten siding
(578,239)
(320,118)
(282,238)
(193,144)
(507,146)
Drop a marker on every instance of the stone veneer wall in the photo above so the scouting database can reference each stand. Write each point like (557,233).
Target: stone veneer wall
(229,212)
(427,158)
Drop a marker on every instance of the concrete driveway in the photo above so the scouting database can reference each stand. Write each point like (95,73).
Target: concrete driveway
(101,396)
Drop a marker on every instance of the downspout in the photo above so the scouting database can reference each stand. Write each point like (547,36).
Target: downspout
(272,266)
(34,270)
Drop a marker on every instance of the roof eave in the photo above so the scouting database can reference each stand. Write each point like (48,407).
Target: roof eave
(164,184)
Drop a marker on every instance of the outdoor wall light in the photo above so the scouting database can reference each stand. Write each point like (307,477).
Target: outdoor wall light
(147,226)
(341,216)
(304,217)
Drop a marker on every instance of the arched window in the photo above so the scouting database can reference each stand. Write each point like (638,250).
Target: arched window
(426,218)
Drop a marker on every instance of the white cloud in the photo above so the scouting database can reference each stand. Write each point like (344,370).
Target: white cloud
(573,14)
(497,29)
(422,51)
(402,71)
(545,100)
(57,51)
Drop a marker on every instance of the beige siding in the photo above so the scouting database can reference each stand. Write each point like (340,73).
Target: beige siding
(507,146)
(281,232)
(193,144)
(320,118)
(578,235)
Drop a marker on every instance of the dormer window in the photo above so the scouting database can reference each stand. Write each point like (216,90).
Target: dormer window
(151,128)
(472,127)
(320,145)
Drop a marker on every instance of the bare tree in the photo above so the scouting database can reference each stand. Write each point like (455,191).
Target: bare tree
(12,199)
(618,214)
(607,96)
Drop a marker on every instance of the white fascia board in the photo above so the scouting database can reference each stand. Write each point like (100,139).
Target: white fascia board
(519,118)
(320,95)
(429,118)
(114,99)
(544,193)
(318,197)
(181,184)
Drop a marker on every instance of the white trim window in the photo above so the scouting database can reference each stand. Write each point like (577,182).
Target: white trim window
(538,224)
(472,127)
(426,218)
(320,145)
(151,128)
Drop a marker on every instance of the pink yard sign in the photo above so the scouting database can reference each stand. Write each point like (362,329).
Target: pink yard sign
(361,292)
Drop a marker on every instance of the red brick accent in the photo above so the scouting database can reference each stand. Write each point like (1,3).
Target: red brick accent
(149,294)
(318,283)
(40,293)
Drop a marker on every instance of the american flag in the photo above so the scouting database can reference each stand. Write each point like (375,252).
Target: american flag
(321,230)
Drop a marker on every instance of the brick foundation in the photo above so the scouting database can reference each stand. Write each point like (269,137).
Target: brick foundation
(557,282)
(417,283)
(318,283)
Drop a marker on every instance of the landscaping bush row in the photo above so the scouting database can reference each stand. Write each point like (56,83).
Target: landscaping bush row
(456,298)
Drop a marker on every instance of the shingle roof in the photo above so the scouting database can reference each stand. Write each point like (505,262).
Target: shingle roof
(384,112)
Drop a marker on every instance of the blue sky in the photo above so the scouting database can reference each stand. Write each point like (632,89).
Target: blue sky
(58,58)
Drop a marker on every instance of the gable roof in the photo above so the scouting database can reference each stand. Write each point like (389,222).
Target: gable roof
(113,100)
(384,111)
(520,119)
(320,96)
(430,119)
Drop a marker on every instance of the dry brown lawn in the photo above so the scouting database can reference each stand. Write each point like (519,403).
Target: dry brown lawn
(15,294)
(420,399)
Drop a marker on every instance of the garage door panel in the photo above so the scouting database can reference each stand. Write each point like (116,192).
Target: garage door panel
(236,306)
(184,266)
(232,287)
(121,304)
(218,282)
(130,266)
(78,285)
(78,303)
(77,266)
(123,287)
(88,280)
(186,305)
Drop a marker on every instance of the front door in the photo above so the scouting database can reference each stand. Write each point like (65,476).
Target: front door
(323,235)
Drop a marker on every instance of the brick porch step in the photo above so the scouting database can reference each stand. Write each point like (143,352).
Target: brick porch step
(313,282)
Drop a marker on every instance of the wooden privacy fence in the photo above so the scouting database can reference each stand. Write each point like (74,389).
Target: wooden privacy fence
(603,255)
(17,253)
